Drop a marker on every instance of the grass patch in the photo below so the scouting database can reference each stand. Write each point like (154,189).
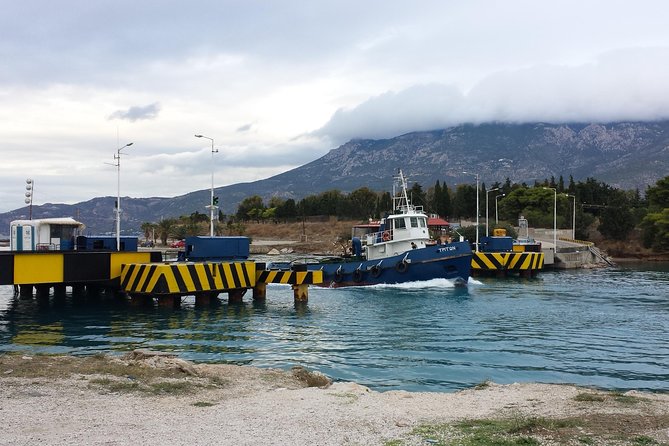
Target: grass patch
(349,398)
(102,372)
(158,388)
(173,387)
(596,429)
(203,404)
(620,429)
(116,386)
(627,400)
(57,367)
(618,397)
(483,385)
(486,432)
(503,432)
(309,377)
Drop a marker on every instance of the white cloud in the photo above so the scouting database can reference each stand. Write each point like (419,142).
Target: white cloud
(277,84)
(621,85)
(136,112)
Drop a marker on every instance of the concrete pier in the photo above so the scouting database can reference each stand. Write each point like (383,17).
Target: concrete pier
(142,278)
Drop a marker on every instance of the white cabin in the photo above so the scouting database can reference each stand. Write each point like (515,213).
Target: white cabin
(46,234)
(402,231)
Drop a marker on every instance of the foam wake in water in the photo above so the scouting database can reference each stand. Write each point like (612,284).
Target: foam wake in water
(434,283)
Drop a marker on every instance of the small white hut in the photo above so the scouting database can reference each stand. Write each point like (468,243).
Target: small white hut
(46,234)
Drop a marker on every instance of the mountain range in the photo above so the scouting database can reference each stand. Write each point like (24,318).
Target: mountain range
(626,155)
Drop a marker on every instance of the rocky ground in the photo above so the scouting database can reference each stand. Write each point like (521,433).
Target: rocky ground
(154,399)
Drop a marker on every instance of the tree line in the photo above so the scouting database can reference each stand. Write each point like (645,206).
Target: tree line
(616,211)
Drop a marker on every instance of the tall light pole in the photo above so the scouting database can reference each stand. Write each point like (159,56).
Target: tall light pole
(211,202)
(554,216)
(486,209)
(496,209)
(117,158)
(573,220)
(30,190)
(477,207)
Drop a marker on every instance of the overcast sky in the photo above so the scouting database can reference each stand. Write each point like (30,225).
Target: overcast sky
(277,84)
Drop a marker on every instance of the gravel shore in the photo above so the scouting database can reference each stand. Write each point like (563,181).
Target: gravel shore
(146,399)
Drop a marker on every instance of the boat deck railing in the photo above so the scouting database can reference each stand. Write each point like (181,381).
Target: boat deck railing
(379,236)
(407,209)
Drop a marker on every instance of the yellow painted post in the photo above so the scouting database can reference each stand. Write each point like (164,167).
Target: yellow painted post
(301,292)
(260,291)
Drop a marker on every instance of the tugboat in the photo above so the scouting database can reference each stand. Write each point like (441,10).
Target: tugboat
(397,250)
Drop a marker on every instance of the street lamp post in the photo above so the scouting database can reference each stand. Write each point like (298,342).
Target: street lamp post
(211,202)
(486,209)
(117,157)
(573,220)
(496,209)
(554,217)
(30,190)
(477,207)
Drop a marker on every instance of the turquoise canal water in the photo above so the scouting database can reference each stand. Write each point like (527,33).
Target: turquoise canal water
(607,328)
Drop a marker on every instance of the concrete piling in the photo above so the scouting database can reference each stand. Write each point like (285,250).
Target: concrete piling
(26,291)
(235,296)
(301,292)
(260,291)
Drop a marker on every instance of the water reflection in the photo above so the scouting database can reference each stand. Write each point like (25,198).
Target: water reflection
(606,328)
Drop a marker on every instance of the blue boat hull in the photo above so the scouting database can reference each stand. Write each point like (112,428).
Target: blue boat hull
(452,261)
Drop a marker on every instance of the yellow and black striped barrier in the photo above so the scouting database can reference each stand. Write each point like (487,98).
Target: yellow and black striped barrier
(186,278)
(299,280)
(290,277)
(206,279)
(524,263)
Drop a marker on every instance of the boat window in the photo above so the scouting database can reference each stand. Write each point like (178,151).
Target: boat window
(414,222)
(422,223)
(400,223)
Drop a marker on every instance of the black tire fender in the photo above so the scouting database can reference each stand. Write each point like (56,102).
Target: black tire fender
(402,267)
(338,275)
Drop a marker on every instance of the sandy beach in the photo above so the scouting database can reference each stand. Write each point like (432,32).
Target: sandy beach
(147,399)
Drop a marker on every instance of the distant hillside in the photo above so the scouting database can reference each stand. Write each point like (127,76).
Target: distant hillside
(626,155)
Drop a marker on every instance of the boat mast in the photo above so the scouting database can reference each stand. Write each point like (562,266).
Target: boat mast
(406,207)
